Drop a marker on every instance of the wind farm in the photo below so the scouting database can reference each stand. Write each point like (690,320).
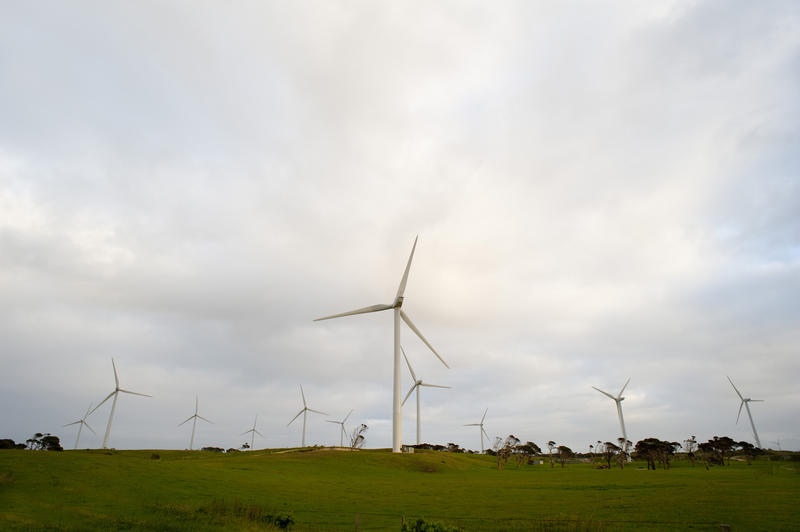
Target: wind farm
(414,211)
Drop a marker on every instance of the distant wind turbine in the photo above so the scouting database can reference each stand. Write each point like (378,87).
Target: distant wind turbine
(115,393)
(416,386)
(342,432)
(746,403)
(481,426)
(304,411)
(82,422)
(397,418)
(252,431)
(195,417)
(618,400)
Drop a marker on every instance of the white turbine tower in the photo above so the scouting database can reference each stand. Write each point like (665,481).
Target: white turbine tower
(195,417)
(82,422)
(252,431)
(618,400)
(746,403)
(304,411)
(416,386)
(342,432)
(115,393)
(398,315)
(481,426)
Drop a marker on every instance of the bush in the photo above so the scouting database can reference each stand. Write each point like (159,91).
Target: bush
(420,525)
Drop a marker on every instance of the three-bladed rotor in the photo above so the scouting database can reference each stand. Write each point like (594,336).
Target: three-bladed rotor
(482,432)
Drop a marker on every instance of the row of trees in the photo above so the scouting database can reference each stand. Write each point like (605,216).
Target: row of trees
(656,452)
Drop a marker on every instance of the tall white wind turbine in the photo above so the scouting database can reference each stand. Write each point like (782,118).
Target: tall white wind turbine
(618,400)
(746,403)
(481,426)
(252,431)
(397,418)
(416,386)
(82,422)
(195,417)
(304,411)
(115,393)
(342,432)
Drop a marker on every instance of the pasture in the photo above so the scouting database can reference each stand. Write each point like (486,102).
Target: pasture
(374,489)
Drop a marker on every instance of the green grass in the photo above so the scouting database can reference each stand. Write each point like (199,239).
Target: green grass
(373,490)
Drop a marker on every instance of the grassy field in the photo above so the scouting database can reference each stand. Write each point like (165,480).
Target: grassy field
(373,490)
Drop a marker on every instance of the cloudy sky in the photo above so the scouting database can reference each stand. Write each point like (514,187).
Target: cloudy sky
(601,190)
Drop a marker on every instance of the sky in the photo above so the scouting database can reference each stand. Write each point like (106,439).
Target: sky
(602,191)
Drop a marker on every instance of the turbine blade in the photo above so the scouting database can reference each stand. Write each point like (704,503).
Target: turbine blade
(347,416)
(623,388)
(189,419)
(484,415)
(303,394)
(259,434)
(605,393)
(414,377)
(408,394)
(402,288)
(487,435)
(756,400)
(472,425)
(434,385)
(295,417)
(414,328)
(88,427)
(204,419)
(73,423)
(740,411)
(116,378)
(331,421)
(735,388)
(103,401)
(317,412)
(365,310)
(87,411)
(135,393)
(246,432)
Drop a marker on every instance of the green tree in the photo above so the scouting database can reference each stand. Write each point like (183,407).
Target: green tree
(564,454)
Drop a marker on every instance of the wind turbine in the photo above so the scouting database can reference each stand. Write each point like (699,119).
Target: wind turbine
(746,403)
(252,431)
(115,393)
(194,423)
(618,399)
(343,432)
(481,426)
(81,422)
(304,411)
(397,419)
(416,386)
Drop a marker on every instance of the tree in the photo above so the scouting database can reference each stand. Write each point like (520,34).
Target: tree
(504,452)
(357,437)
(623,454)
(715,450)
(609,452)
(529,450)
(550,446)
(564,454)
(654,450)
(749,451)
(690,445)
(44,442)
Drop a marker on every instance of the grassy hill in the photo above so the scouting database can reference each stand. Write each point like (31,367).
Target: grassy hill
(373,490)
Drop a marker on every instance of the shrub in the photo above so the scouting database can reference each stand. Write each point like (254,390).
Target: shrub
(420,525)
